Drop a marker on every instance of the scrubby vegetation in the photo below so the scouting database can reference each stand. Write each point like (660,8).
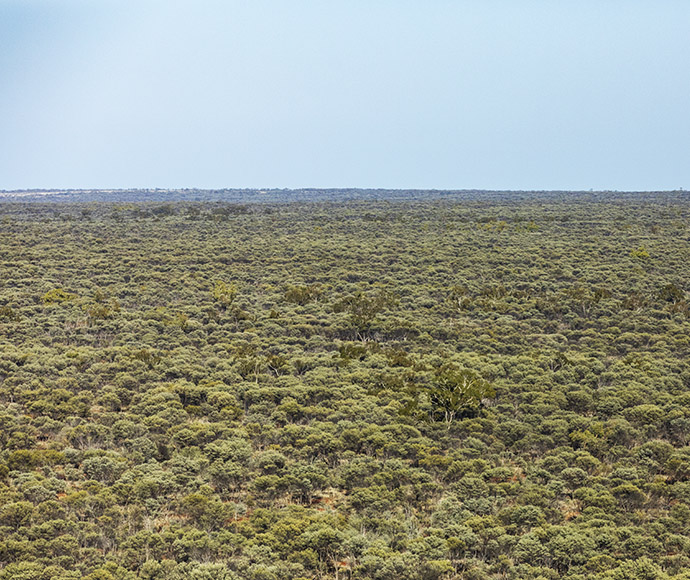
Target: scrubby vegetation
(430,389)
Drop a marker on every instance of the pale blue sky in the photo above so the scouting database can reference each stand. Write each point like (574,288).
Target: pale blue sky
(491,94)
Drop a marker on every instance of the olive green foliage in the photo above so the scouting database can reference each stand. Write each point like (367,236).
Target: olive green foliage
(364,308)
(224,293)
(459,387)
(456,389)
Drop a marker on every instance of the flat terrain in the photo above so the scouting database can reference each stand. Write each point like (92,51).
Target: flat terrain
(406,385)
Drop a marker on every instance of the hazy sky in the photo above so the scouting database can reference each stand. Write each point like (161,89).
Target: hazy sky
(491,94)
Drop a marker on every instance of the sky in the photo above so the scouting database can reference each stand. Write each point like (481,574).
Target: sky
(434,94)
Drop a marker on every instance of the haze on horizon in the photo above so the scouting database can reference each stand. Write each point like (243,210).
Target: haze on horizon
(486,94)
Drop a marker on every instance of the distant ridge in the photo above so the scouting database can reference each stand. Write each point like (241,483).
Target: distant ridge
(305,195)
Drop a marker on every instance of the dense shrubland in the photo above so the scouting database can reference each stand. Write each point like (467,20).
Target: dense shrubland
(377,390)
